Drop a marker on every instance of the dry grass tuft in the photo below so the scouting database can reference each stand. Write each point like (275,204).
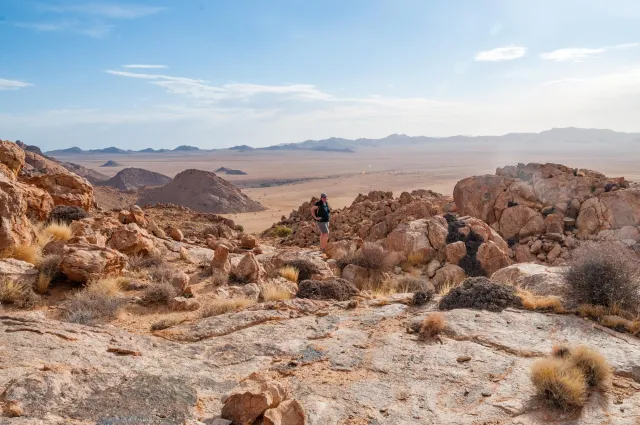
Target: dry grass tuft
(218,307)
(535,302)
(185,256)
(560,351)
(18,293)
(159,293)
(165,323)
(432,326)
(370,256)
(58,231)
(109,286)
(290,273)
(219,277)
(447,286)
(591,311)
(91,306)
(560,384)
(275,293)
(282,231)
(31,253)
(153,260)
(42,283)
(593,365)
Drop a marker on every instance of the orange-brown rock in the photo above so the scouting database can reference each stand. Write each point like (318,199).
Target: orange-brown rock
(82,262)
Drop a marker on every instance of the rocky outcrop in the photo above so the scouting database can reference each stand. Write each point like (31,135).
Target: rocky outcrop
(131,240)
(65,187)
(609,211)
(248,270)
(220,259)
(18,271)
(15,227)
(250,402)
(136,178)
(11,159)
(370,217)
(536,278)
(82,262)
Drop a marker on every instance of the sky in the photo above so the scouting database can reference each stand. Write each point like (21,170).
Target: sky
(216,73)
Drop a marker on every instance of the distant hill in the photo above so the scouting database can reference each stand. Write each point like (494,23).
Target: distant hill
(92,176)
(231,171)
(201,191)
(111,163)
(136,178)
(549,138)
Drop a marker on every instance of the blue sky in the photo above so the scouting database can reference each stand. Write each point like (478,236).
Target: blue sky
(160,73)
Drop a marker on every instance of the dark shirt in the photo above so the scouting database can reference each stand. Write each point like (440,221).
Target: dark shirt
(324,212)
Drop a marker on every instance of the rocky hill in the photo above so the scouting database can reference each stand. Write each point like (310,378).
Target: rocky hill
(136,178)
(111,163)
(231,171)
(201,191)
(92,176)
(418,313)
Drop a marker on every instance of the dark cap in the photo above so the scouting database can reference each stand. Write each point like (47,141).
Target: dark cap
(323,195)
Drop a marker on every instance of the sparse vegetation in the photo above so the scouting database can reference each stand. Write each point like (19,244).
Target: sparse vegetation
(159,293)
(31,253)
(93,306)
(535,302)
(67,214)
(370,256)
(482,294)
(58,231)
(154,259)
(165,323)
(563,379)
(561,385)
(17,293)
(218,307)
(417,258)
(49,267)
(432,326)
(219,277)
(290,273)
(414,284)
(162,274)
(422,297)
(604,274)
(275,293)
(282,231)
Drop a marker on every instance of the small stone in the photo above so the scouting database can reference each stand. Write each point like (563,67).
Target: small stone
(176,234)
(486,394)
(463,359)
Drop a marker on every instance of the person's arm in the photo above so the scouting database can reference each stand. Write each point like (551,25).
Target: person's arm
(313,212)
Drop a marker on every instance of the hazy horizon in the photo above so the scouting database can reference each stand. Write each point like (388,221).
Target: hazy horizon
(159,73)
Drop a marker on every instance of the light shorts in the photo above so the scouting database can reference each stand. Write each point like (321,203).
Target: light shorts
(323,226)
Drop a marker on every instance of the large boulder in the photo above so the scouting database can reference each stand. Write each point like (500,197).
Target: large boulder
(476,196)
(82,262)
(309,267)
(538,279)
(289,412)
(408,237)
(248,403)
(131,240)
(65,187)
(18,271)
(15,227)
(492,257)
(448,275)
(248,270)
(39,202)
(611,210)
(220,259)
(521,221)
(11,159)
(335,289)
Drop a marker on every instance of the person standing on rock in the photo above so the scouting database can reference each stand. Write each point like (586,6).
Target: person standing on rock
(321,213)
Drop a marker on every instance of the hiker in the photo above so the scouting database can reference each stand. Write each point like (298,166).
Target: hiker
(321,213)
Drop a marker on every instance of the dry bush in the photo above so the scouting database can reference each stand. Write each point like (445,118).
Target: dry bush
(109,285)
(414,284)
(604,274)
(67,214)
(560,351)
(447,286)
(93,306)
(159,293)
(593,366)
(591,311)
(290,273)
(536,302)
(275,293)
(165,323)
(154,259)
(218,307)
(42,283)
(432,326)
(18,293)
(560,384)
(49,267)
(58,231)
(370,256)
(162,274)
(31,253)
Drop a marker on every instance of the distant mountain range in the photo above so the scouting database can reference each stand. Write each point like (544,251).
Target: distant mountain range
(334,144)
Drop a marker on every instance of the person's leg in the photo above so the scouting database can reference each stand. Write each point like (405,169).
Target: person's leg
(324,238)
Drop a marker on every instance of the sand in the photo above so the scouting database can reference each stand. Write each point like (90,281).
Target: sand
(344,175)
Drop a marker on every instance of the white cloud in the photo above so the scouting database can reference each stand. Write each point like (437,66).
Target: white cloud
(13,84)
(577,53)
(94,30)
(140,66)
(501,54)
(107,10)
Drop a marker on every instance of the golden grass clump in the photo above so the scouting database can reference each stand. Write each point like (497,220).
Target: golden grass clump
(564,378)
(218,307)
(544,303)
(31,253)
(18,293)
(107,286)
(290,273)
(560,384)
(432,326)
(274,293)
(58,231)
(593,365)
